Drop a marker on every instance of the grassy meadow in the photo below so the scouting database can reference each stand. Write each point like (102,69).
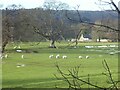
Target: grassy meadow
(39,70)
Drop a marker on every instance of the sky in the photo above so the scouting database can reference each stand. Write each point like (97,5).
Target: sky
(84,4)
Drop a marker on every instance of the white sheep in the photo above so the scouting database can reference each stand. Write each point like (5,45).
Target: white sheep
(80,57)
(18,66)
(64,57)
(87,57)
(111,53)
(51,56)
(6,56)
(1,57)
(19,51)
(15,47)
(57,56)
(22,56)
(23,65)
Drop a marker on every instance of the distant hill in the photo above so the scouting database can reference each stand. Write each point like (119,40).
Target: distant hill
(92,16)
(21,18)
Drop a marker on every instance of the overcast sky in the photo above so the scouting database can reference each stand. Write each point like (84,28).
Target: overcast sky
(84,4)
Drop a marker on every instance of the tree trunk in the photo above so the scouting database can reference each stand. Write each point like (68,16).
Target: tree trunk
(4,45)
(99,39)
(52,44)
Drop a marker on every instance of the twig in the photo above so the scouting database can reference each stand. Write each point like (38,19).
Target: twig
(110,74)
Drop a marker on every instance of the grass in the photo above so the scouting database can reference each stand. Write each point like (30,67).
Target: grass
(39,70)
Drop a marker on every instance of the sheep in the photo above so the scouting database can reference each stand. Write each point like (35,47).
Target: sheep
(111,53)
(22,56)
(87,57)
(64,57)
(15,47)
(57,56)
(20,65)
(23,65)
(6,56)
(80,57)
(1,57)
(89,46)
(19,51)
(51,56)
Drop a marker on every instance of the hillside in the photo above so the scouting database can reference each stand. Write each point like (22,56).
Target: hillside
(39,17)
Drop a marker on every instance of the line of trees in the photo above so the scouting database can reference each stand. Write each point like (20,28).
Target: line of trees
(54,22)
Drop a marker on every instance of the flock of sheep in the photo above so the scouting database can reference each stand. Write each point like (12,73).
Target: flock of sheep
(18,50)
(6,56)
(51,56)
(65,57)
(56,56)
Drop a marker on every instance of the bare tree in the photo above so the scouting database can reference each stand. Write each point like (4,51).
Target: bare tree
(8,23)
(72,78)
(80,20)
(6,32)
(75,81)
(50,24)
(80,29)
(105,33)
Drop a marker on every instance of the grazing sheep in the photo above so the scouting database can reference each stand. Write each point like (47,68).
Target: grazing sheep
(51,56)
(111,53)
(87,57)
(80,57)
(57,56)
(1,57)
(6,56)
(23,65)
(15,47)
(64,57)
(20,65)
(22,56)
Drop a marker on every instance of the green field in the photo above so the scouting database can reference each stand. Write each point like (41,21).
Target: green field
(39,69)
